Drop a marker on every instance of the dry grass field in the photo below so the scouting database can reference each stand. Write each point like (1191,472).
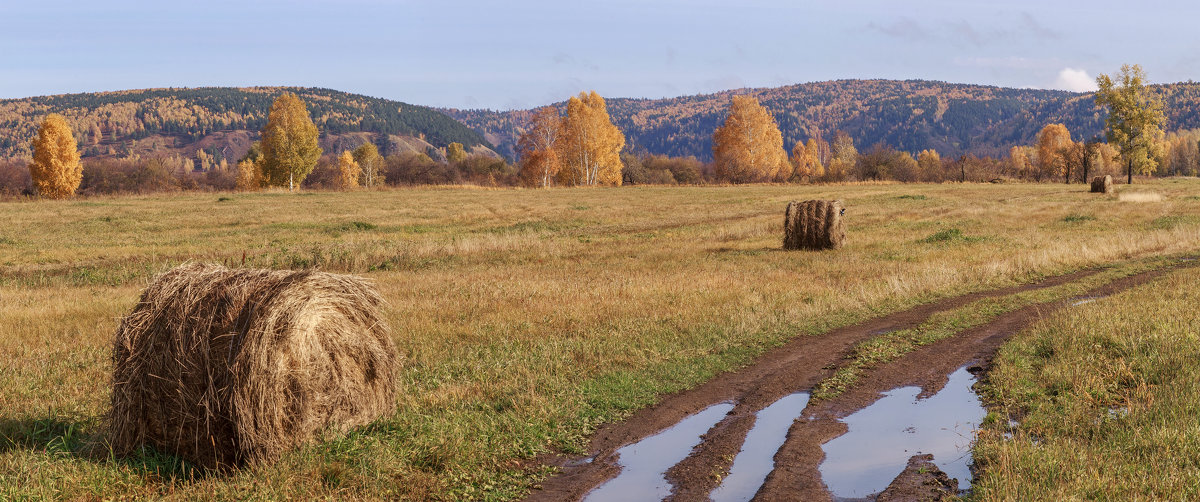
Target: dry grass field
(525,318)
(1104,397)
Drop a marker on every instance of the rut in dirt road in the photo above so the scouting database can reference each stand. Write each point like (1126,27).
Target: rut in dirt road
(791,371)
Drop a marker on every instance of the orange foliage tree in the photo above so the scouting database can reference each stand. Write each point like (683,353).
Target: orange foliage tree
(348,171)
(589,147)
(929,164)
(748,146)
(536,148)
(1053,144)
(55,170)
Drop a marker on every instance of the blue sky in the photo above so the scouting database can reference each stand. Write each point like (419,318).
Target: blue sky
(519,54)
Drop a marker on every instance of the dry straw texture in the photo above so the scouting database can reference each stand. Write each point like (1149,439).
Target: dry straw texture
(814,224)
(1102,184)
(225,366)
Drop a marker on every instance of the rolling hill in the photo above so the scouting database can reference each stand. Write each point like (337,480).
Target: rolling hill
(910,115)
(223,121)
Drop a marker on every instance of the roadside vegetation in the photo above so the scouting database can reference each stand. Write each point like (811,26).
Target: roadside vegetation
(526,318)
(1099,401)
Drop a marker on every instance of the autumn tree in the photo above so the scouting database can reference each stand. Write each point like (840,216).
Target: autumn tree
(805,163)
(55,170)
(289,142)
(1135,118)
(799,166)
(249,173)
(537,148)
(1053,145)
(843,156)
(371,163)
(589,146)
(455,153)
(929,164)
(812,157)
(348,171)
(748,147)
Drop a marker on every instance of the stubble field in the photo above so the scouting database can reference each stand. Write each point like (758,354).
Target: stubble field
(525,318)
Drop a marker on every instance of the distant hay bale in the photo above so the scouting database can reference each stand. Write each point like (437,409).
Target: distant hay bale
(1102,184)
(814,224)
(225,367)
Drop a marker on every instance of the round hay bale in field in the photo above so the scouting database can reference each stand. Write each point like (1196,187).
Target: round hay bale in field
(1102,184)
(225,367)
(814,224)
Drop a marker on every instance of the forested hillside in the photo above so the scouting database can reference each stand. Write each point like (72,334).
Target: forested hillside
(218,120)
(910,115)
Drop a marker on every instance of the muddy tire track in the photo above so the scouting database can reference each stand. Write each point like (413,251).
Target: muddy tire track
(797,366)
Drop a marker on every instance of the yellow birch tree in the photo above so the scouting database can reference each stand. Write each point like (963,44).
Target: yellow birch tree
(539,160)
(348,171)
(590,145)
(368,158)
(748,147)
(55,170)
(289,143)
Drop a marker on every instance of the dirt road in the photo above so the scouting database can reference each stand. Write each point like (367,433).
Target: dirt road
(796,367)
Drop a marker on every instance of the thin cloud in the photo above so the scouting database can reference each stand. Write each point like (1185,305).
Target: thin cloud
(1033,27)
(1075,80)
(903,29)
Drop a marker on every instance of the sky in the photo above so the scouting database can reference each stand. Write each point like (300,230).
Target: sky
(522,54)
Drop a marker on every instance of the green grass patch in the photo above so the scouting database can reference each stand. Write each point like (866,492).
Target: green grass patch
(1173,221)
(949,236)
(1078,218)
(912,197)
(224,199)
(353,226)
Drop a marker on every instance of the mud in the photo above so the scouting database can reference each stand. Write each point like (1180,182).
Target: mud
(920,481)
(797,367)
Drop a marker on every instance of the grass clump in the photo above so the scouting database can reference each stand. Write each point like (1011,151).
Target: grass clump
(354,226)
(1106,397)
(912,197)
(1173,221)
(1078,218)
(949,235)
(224,199)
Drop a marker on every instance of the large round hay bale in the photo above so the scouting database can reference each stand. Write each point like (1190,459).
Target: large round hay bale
(1102,184)
(814,224)
(225,367)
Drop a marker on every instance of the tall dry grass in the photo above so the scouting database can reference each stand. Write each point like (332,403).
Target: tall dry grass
(526,317)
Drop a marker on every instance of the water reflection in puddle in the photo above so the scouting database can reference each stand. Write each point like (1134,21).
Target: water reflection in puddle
(757,457)
(644,463)
(883,436)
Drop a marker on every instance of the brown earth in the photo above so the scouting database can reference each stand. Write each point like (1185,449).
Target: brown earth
(798,366)
(920,481)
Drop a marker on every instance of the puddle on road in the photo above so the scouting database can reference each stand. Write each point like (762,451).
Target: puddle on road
(883,436)
(644,463)
(757,457)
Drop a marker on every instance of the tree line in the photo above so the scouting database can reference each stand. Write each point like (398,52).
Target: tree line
(582,147)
